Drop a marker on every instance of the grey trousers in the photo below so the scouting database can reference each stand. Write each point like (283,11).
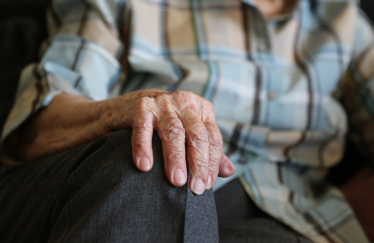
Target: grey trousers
(94,193)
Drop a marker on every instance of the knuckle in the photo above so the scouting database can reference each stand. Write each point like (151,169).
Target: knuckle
(139,145)
(183,93)
(187,95)
(216,142)
(199,141)
(141,126)
(176,158)
(198,134)
(162,98)
(179,92)
(174,131)
(144,103)
(199,161)
(168,115)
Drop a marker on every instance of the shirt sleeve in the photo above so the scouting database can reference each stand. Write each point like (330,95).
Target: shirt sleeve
(358,89)
(80,57)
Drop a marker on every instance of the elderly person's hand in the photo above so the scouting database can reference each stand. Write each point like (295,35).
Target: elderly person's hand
(184,121)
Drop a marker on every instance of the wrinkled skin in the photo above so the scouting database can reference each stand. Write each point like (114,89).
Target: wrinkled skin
(184,121)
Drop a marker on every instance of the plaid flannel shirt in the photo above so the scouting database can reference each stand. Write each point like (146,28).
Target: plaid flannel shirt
(285,90)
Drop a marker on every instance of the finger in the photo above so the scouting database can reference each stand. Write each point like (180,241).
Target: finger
(141,140)
(226,167)
(220,164)
(172,134)
(215,152)
(197,138)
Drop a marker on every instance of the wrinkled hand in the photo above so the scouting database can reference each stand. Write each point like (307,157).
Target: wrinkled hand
(183,121)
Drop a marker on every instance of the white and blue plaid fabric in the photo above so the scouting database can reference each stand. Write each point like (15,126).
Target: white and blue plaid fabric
(285,90)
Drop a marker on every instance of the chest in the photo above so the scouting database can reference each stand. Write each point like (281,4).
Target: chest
(252,70)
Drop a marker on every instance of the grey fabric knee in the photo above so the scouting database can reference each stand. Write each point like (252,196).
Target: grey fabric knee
(102,197)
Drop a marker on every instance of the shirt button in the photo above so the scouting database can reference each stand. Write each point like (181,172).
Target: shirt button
(272,95)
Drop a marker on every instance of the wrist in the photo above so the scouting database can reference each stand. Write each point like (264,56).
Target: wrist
(113,114)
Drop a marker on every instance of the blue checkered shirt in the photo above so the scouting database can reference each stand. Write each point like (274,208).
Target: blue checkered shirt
(286,90)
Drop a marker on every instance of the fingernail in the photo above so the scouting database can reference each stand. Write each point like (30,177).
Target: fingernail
(209,183)
(178,177)
(198,186)
(230,167)
(144,164)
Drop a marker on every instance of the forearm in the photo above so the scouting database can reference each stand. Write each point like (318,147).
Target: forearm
(68,121)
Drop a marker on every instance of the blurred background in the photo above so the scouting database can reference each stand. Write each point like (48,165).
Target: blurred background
(22,29)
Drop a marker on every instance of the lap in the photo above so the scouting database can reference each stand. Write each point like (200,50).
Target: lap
(258,230)
(94,176)
(74,195)
(240,220)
